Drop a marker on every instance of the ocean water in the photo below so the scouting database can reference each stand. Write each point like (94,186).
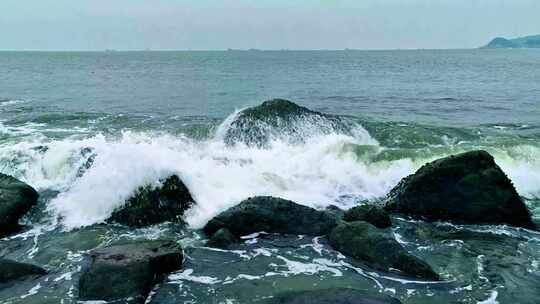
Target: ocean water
(86,129)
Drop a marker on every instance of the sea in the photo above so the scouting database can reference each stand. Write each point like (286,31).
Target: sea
(86,129)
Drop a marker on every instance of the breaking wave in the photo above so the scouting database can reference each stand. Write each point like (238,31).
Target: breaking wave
(341,166)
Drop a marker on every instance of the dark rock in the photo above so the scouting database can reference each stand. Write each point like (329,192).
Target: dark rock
(152,205)
(11,270)
(223,238)
(90,156)
(333,296)
(334,210)
(272,215)
(16,199)
(40,148)
(378,249)
(281,119)
(374,215)
(468,188)
(128,270)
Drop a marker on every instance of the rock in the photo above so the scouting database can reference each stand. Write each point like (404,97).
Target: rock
(374,215)
(284,120)
(128,270)
(468,188)
(151,205)
(378,249)
(16,199)
(272,215)
(335,211)
(223,238)
(11,270)
(41,148)
(333,296)
(89,155)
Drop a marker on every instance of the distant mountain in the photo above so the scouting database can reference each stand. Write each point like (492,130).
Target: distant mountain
(523,42)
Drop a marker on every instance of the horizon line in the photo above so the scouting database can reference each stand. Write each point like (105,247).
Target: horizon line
(112,50)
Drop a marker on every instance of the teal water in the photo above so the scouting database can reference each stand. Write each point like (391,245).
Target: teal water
(144,115)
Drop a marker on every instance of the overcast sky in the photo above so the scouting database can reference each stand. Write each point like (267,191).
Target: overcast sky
(262,24)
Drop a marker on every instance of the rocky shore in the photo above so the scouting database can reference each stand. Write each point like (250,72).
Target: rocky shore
(466,189)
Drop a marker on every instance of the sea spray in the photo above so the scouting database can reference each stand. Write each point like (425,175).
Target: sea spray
(323,169)
(220,176)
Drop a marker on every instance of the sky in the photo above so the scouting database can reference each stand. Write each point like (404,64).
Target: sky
(261,24)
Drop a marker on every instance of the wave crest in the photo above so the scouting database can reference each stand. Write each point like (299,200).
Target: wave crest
(283,120)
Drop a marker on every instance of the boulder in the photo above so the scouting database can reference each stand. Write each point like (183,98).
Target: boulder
(16,199)
(128,270)
(153,205)
(372,214)
(378,249)
(222,238)
(284,120)
(11,270)
(272,215)
(335,211)
(333,296)
(467,188)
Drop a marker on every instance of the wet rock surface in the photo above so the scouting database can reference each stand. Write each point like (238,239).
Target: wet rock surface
(468,188)
(378,249)
(16,199)
(281,119)
(222,238)
(272,215)
(374,215)
(128,271)
(152,205)
(12,271)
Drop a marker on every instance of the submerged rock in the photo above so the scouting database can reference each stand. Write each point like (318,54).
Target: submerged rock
(333,296)
(378,249)
(128,270)
(222,238)
(281,119)
(89,155)
(272,215)
(467,188)
(151,205)
(11,270)
(16,199)
(374,215)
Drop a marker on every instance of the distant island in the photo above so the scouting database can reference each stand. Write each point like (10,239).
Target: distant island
(522,42)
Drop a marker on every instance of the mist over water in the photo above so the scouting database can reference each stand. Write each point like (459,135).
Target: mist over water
(125,120)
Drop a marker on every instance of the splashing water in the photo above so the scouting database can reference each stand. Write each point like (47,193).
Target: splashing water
(323,170)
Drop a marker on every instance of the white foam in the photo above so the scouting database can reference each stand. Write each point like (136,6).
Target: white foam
(522,165)
(322,171)
(318,265)
(492,298)
(34,290)
(218,176)
(11,102)
(187,275)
